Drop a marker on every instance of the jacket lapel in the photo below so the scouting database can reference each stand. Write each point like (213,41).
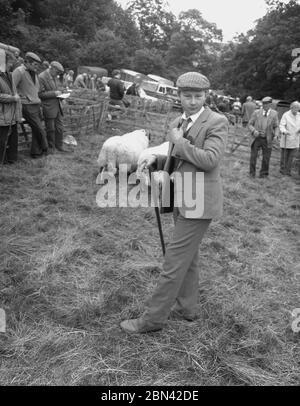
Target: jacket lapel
(195,129)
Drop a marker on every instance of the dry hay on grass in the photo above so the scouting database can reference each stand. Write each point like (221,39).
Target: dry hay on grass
(70,272)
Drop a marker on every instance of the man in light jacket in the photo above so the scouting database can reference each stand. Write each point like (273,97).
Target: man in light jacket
(290,135)
(27,83)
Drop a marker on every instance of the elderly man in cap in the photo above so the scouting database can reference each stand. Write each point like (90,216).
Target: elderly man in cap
(27,83)
(263,126)
(197,142)
(49,94)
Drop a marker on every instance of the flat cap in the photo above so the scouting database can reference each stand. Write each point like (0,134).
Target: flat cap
(267,99)
(57,66)
(32,56)
(193,80)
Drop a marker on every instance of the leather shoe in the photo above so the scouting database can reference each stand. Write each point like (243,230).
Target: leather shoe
(179,314)
(138,326)
(62,150)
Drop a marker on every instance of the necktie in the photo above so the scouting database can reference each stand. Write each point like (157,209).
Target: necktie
(265,113)
(184,124)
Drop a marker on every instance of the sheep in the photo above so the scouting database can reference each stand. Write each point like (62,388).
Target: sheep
(124,149)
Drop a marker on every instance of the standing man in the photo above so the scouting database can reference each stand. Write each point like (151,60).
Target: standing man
(263,126)
(28,87)
(290,135)
(10,111)
(81,81)
(51,103)
(236,109)
(116,89)
(247,110)
(197,145)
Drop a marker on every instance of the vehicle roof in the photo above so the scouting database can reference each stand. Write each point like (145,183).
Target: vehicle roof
(160,79)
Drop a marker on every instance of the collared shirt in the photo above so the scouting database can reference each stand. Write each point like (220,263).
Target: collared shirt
(263,122)
(193,118)
(290,129)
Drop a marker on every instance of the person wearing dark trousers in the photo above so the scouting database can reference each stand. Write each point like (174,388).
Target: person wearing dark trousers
(27,83)
(197,141)
(49,94)
(290,135)
(116,89)
(10,112)
(264,127)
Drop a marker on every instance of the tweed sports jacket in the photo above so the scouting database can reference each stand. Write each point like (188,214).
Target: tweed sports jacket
(272,129)
(201,153)
(50,102)
(10,111)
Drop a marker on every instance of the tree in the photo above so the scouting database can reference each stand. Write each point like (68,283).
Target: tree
(262,58)
(192,22)
(155,22)
(107,51)
(149,61)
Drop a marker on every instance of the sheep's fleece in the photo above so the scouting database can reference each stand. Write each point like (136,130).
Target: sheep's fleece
(124,149)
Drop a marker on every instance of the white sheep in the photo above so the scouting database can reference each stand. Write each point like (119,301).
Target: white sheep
(124,149)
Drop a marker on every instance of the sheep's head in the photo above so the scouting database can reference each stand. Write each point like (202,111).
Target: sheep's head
(148,134)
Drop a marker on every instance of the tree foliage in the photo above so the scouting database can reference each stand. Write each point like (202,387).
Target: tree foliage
(260,61)
(149,38)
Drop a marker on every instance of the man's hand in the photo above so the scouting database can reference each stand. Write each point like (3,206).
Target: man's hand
(255,133)
(175,135)
(147,162)
(16,98)
(58,92)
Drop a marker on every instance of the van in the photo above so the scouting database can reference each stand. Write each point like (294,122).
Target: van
(128,77)
(162,91)
(92,70)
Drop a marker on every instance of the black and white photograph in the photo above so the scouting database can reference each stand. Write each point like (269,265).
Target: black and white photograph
(149,196)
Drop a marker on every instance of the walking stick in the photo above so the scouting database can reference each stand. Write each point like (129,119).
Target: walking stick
(284,154)
(160,230)
(158,219)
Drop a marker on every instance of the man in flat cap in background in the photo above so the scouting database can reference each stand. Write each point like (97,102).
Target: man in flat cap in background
(264,127)
(197,145)
(49,94)
(27,84)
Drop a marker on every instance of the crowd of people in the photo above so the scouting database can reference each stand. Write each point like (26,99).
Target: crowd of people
(263,126)
(30,90)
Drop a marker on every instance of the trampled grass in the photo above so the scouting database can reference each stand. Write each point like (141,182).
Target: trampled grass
(71,271)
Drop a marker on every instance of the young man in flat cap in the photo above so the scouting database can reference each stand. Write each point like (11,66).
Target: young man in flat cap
(27,83)
(264,127)
(197,144)
(49,94)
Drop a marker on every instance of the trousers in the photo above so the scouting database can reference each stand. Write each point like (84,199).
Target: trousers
(8,144)
(32,114)
(260,143)
(286,159)
(54,129)
(179,281)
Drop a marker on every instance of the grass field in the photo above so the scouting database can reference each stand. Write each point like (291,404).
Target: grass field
(70,272)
